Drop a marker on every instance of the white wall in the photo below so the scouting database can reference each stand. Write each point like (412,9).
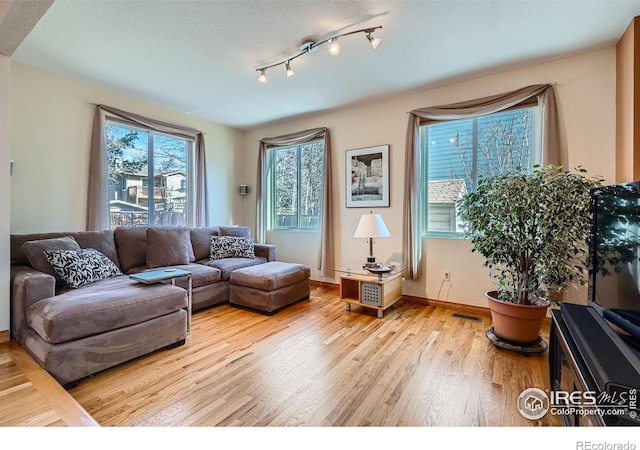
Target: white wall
(51,134)
(5,142)
(586,97)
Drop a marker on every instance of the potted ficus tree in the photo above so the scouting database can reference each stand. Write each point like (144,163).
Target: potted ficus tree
(532,229)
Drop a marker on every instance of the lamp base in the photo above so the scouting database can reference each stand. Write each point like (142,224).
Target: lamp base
(371,262)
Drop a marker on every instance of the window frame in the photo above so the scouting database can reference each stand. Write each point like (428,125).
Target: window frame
(424,161)
(189,213)
(271,188)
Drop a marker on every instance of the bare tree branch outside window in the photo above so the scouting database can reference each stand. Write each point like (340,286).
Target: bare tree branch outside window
(463,152)
(297,185)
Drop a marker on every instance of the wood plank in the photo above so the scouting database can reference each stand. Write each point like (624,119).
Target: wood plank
(32,397)
(315,364)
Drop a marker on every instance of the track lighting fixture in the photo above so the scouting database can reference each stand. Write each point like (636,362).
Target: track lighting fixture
(309,46)
(334,48)
(263,77)
(374,41)
(290,72)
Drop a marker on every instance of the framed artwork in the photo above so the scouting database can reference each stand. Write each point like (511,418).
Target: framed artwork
(367,171)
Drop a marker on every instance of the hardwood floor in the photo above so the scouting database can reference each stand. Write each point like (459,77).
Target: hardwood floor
(314,364)
(31,397)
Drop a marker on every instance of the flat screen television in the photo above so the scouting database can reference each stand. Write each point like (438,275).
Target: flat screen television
(614,253)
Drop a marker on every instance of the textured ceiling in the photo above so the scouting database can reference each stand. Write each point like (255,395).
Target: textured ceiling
(199,57)
(17,19)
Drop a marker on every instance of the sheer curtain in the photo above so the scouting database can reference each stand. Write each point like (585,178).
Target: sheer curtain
(548,135)
(98,202)
(326,259)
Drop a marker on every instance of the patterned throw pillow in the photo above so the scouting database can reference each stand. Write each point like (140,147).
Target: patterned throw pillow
(80,267)
(231,247)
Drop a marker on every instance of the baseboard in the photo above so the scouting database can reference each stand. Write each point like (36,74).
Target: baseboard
(4,336)
(457,306)
(324,284)
(448,305)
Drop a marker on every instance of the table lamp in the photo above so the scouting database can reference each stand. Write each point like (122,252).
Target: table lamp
(371,226)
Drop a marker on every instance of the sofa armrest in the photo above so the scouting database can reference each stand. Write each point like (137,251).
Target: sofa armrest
(267,251)
(27,287)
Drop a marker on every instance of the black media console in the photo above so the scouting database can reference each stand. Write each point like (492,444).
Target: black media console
(582,359)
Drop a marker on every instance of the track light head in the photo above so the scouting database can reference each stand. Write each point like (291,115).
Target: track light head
(374,41)
(290,72)
(262,79)
(334,47)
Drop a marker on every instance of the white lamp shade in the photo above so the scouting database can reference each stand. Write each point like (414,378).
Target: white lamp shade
(371,225)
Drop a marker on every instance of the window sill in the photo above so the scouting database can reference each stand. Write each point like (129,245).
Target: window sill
(455,236)
(293,230)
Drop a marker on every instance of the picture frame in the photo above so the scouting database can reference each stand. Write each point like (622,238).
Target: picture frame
(367,177)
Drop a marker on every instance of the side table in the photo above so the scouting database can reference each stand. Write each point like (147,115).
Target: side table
(376,291)
(161,275)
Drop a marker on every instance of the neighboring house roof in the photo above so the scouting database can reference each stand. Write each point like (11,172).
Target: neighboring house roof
(144,174)
(169,174)
(446,191)
(121,205)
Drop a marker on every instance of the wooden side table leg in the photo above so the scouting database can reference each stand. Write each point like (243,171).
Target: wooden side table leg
(347,306)
(380,314)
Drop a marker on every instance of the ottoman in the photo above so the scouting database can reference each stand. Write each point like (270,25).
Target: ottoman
(270,286)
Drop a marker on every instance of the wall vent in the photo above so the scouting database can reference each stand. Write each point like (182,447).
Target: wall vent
(463,316)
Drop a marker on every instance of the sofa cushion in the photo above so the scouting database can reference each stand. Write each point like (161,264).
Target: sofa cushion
(231,247)
(18,256)
(228,265)
(235,231)
(100,240)
(80,267)
(168,247)
(34,250)
(270,276)
(201,275)
(201,241)
(102,306)
(131,243)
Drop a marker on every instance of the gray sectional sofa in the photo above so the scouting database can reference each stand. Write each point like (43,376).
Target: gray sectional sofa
(95,317)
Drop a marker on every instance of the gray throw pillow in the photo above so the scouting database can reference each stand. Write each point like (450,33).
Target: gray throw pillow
(201,241)
(80,267)
(34,250)
(231,247)
(168,247)
(131,243)
(243,232)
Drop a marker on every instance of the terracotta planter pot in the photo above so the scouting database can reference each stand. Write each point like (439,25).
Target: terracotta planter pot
(516,323)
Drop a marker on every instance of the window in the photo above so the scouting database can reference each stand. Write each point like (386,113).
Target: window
(135,156)
(458,153)
(295,186)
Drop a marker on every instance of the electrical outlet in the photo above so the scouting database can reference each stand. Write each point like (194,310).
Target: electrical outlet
(447,275)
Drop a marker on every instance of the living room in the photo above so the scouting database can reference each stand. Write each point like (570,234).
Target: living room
(46,121)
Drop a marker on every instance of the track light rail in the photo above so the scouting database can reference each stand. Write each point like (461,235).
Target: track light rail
(310,46)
